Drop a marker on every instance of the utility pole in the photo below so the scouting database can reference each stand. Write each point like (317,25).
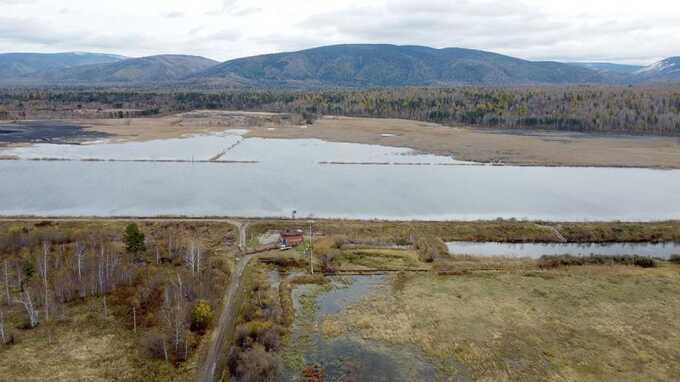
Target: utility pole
(311,249)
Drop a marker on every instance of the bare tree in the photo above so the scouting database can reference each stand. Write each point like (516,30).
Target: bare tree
(7,294)
(44,265)
(175,315)
(32,313)
(2,328)
(80,251)
(192,257)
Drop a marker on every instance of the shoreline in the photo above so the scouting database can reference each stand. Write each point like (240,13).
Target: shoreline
(481,231)
(486,146)
(336,163)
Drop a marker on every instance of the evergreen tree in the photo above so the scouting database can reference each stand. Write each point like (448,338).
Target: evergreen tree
(134,239)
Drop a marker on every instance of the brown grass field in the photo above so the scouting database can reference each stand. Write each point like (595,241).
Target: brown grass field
(478,319)
(606,323)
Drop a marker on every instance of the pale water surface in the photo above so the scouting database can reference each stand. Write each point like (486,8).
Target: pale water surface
(397,183)
(228,146)
(536,250)
(276,188)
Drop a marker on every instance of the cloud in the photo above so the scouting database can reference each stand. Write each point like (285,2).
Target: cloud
(17,2)
(578,30)
(509,27)
(223,35)
(173,15)
(31,32)
(247,11)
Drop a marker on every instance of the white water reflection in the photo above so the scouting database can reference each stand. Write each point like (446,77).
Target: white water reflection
(229,146)
(276,188)
(187,149)
(536,250)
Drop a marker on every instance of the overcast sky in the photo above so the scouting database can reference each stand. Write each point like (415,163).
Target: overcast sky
(569,30)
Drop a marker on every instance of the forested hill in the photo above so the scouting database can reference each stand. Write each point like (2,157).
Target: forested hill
(23,65)
(339,66)
(599,109)
(144,70)
(392,65)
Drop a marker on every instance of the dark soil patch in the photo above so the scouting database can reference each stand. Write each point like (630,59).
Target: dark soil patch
(46,132)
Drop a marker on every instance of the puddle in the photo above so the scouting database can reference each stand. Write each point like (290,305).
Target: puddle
(348,357)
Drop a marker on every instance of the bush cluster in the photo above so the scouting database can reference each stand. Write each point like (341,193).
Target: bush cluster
(568,260)
(431,248)
(258,333)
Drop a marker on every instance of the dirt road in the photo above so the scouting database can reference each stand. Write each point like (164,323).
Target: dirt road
(214,363)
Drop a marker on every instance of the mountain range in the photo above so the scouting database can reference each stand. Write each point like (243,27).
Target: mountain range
(358,65)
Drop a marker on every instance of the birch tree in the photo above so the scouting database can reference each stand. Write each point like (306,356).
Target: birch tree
(44,265)
(32,313)
(8,297)
(3,336)
(192,257)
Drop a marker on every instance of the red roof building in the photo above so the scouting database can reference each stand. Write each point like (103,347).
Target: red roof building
(292,238)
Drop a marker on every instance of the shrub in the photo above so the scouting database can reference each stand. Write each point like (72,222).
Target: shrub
(430,248)
(400,280)
(252,365)
(403,242)
(134,239)
(312,374)
(201,316)
(644,262)
(327,260)
(568,260)
(675,259)
(156,344)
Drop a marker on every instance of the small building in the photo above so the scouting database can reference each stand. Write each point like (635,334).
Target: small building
(292,238)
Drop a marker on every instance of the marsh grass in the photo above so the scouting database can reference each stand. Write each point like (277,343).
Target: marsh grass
(85,346)
(378,259)
(568,260)
(404,233)
(588,323)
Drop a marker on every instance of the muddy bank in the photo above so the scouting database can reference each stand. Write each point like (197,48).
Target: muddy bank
(56,132)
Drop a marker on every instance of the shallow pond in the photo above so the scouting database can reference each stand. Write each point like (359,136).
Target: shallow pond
(536,250)
(346,357)
(275,188)
(229,146)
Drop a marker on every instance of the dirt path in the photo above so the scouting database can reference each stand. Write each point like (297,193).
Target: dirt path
(214,363)
(212,367)
(242,233)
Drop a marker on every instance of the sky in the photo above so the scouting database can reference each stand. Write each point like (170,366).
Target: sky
(621,31)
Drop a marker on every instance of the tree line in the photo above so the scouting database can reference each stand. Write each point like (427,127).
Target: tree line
(598,109)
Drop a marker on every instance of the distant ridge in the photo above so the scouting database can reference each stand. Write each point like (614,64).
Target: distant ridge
(18,65)
(162,68)
(350,66)
(664,70)
(392,65)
